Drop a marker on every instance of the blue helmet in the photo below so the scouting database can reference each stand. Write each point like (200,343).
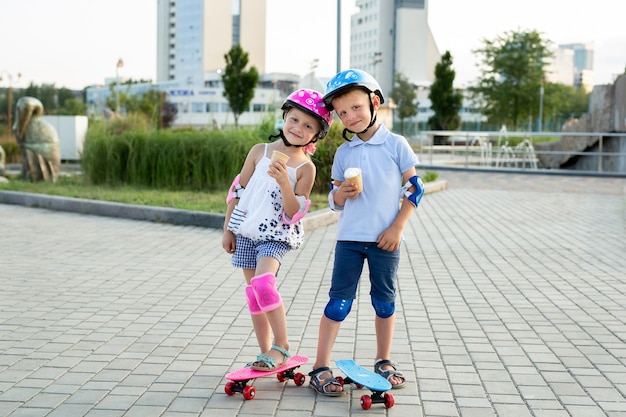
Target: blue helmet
(347,80)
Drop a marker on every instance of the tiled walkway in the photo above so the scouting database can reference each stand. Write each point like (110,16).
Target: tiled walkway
(512,303)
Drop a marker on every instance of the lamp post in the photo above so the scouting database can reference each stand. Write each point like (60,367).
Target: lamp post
(9,101)
(377,59)
(540,119)
(120,64)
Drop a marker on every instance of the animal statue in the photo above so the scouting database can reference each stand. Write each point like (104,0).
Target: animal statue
(38,140)
(3,159)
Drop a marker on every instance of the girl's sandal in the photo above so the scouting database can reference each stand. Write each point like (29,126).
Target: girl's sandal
(267,363)
(320,385)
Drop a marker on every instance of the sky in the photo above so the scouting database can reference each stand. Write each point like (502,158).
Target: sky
(76,43)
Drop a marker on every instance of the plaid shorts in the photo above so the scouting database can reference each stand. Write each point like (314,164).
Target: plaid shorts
(248,252)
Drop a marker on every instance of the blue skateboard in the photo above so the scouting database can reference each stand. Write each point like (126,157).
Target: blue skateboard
(361,377)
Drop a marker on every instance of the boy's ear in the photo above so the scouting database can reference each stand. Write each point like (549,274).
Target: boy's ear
(375,100)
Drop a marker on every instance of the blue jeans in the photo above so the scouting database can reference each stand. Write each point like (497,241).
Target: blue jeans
(348,266)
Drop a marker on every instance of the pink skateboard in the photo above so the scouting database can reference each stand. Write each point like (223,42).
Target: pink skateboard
(238,380)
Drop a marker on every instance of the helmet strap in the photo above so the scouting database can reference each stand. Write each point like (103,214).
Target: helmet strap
(281,135)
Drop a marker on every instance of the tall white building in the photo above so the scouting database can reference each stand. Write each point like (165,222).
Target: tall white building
(194,35)
(582,63)
(393,36)
(387,36)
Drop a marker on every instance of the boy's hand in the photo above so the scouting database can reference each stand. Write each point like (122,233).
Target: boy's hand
(349,190)
(390,238)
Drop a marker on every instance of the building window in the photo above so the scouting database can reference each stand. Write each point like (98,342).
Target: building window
(410,4)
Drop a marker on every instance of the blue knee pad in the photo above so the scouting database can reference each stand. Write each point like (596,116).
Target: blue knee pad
(384,310)
(337,310)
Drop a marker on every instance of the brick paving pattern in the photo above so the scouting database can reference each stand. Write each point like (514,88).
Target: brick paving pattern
(512,303)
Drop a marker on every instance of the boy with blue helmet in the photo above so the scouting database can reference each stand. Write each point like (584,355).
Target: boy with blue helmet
(371,223)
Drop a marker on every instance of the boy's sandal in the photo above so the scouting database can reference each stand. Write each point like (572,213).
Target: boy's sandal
(388,373)
(320,385)
(267,363)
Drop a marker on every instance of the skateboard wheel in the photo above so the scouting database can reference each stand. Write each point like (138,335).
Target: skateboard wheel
(389,401)
(228,388)
(281,376)
(299,379)
(249,393)
(366,402)
(340,380)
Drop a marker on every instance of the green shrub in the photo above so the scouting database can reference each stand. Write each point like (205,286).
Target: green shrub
(430,176)
(172,159)
(323,157)
(11,150)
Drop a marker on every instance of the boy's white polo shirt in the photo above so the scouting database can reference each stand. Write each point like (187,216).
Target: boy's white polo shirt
(382,160)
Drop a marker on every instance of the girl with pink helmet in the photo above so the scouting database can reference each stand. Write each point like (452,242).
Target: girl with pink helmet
(266,204)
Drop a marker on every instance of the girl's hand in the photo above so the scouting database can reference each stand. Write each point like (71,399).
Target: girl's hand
(228,241)
(278,171)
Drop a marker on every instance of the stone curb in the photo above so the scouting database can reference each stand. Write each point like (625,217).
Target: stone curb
(313,220)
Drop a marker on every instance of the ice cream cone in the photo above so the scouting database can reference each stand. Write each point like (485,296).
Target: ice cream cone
(279,156)
(354,176)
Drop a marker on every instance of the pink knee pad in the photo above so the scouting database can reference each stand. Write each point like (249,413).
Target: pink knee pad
(267,295)
(253,306)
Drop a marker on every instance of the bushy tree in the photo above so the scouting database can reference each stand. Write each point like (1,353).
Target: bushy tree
(403,95)
(445,100)
(239,84)
(512,68)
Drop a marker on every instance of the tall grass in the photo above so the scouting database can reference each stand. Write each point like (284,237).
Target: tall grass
(185,158)
(170,159)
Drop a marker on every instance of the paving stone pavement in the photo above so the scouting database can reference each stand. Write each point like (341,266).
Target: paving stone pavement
(512,303)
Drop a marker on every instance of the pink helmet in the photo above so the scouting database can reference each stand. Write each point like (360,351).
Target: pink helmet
(312,102)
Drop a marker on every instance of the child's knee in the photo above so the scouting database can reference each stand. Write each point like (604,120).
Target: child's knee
(338,310)
(383,309)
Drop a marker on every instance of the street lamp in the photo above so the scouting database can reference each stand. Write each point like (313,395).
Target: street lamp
(377,59)
(314,64)
(120,64)
(9,100)
(540,119)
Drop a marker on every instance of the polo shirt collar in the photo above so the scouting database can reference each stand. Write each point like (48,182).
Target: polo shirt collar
(378,139)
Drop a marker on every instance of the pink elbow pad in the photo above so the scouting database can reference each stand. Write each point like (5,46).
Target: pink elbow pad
(235,190)
(304,209)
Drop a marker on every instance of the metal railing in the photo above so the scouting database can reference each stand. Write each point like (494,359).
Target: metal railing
(518,151)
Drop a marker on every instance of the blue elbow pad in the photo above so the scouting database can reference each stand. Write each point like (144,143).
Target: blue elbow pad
(416,196)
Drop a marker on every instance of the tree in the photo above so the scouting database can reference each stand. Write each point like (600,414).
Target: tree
(404,96)
(512,68)
(445,101)
(239,84)
(152,103)
(46,93)
(72,107)
(563,102)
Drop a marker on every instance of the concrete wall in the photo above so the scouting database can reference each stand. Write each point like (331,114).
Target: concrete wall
(71,131)
(607,113)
